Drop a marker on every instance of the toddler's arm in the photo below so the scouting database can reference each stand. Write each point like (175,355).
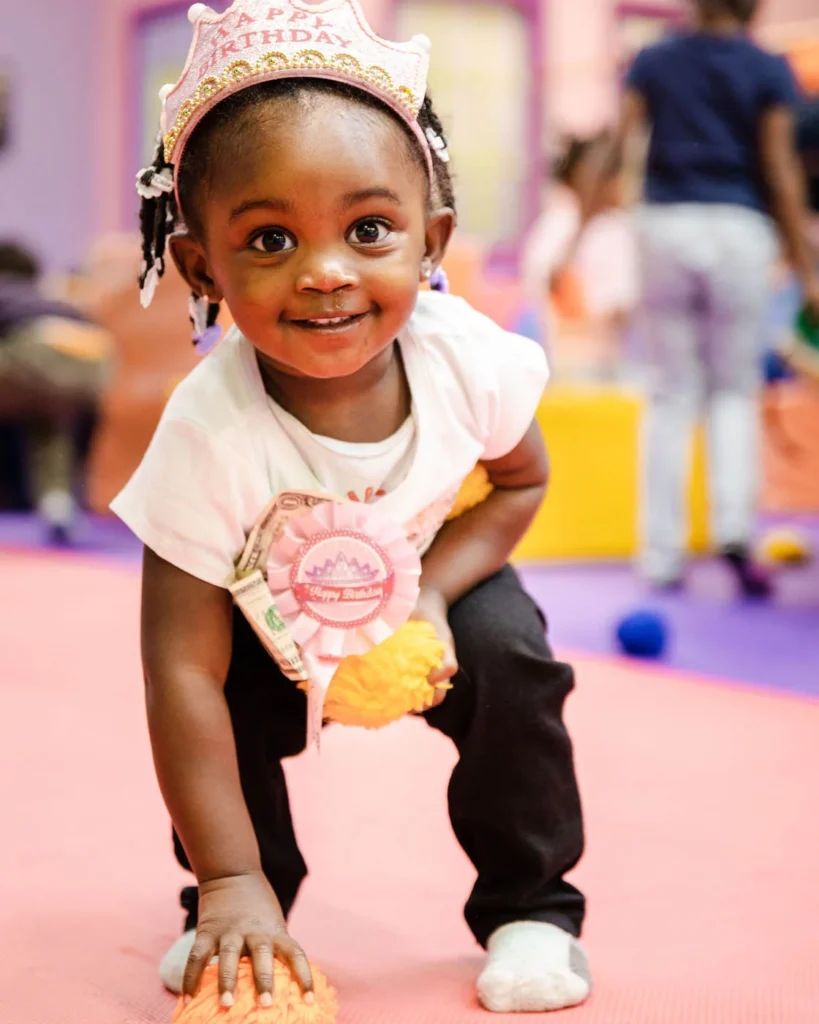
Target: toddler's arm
(479,543)
(186,648)
(186,645)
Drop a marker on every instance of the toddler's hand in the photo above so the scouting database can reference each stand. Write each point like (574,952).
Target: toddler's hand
(432,608)
(237,915)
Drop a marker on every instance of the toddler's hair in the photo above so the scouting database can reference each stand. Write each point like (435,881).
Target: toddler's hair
(742,10)
(161,216)
(576,149)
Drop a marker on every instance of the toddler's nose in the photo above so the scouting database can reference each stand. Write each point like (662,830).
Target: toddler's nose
(326,274)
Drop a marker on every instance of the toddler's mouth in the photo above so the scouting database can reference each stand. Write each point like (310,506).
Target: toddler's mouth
(327,324)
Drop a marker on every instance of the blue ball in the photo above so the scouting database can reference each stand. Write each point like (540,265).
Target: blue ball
(642,634)
(775,368)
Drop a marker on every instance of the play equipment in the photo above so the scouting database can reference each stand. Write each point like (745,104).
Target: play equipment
(784,545)
(591,511)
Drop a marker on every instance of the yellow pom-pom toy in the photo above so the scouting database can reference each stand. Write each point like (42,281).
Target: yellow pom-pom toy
(288,1006)
(475,489)
(388,682)
(391,680)
(784,545)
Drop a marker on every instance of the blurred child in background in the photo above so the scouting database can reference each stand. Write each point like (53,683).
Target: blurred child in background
(53,363)
(584,286)
(722,175)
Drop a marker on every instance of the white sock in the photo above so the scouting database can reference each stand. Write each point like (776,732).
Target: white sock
(173,964)
(533,967)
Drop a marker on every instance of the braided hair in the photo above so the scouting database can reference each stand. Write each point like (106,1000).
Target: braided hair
(160,215)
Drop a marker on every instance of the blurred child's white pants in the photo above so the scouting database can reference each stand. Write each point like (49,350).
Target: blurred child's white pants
(705,274)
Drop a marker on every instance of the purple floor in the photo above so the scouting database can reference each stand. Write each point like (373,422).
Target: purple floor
(711,631)
(95,535)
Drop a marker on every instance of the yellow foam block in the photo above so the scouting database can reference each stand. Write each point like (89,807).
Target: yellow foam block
(591,510)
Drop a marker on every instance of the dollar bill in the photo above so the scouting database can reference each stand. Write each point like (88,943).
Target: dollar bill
(252,595)
(270,526)
(250,590)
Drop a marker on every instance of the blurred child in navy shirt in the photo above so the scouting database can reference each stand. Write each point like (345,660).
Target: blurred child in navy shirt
(722,176)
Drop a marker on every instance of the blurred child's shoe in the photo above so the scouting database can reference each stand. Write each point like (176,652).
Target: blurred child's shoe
(754,581)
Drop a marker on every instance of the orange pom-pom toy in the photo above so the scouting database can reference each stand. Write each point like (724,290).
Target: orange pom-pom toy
(288,1006)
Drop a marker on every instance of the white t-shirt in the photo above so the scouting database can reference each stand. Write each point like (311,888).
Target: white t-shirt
(360,472)
(222,450)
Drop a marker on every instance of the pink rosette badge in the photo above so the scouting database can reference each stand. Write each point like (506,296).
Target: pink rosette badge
(344,578)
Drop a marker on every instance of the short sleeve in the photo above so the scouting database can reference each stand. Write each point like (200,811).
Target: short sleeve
(780,88)
(504,375)
(638,75)
(183,503)
(521,372)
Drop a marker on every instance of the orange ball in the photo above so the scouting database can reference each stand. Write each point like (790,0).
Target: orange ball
(288,1006)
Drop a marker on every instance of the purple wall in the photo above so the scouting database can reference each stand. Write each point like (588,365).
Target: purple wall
(47,170)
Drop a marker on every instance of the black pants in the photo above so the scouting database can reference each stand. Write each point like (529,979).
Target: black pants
(513,799)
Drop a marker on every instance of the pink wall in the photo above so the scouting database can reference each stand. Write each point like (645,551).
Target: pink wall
(61,178)
(580,94)
(50,168)
(778,12)
(117,17)
(580,90)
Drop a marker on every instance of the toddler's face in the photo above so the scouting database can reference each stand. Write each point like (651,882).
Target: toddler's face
(314,229)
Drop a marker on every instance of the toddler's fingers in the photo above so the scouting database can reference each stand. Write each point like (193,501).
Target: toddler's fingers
(200,956)
(446,671)
(294,955)
(261,954)
(230,950)
(448,666)
(439,695)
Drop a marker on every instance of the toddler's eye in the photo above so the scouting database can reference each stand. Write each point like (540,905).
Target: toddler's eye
(369,231)
(273,240)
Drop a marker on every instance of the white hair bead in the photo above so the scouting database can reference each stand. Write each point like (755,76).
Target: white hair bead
(424,42)
(165,91)
(195,12)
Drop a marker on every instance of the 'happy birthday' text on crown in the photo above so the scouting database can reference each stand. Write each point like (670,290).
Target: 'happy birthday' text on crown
(256,41)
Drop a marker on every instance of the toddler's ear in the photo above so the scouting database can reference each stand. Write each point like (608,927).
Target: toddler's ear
(440,226)
(192,264)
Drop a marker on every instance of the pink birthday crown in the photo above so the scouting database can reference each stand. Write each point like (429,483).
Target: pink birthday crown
(263,40)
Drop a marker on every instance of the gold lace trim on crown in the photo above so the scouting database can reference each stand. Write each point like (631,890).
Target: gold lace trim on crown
(239,70)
